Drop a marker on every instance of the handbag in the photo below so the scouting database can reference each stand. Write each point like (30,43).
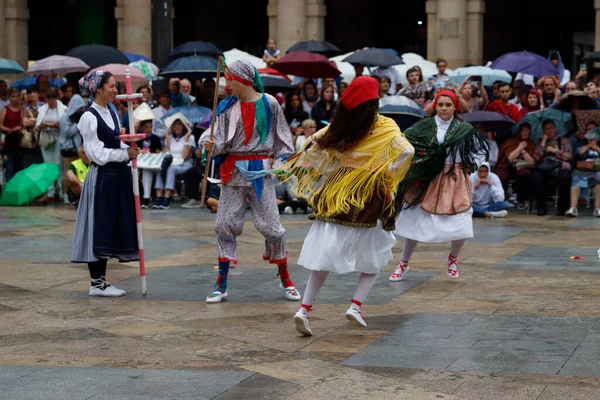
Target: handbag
(27,135)
(47,140)
(551,166)
(521,163)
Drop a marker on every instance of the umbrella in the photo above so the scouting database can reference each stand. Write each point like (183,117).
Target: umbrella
(271,71)
(57,65)
(566,101)
(491,120)
(305,64)
(149,70)
(25,81)
(489,75)
(196,48)
(316,46)
(194,114)
(10,67)
(276,84)
(591,56)
(526,63)
(118,71)
(398,101)
(235,54)
(191,67)
(583,117)
(562,119)
(28,184)
(95,55)
(374,57)
(133,57)
(391,109)
(414,60)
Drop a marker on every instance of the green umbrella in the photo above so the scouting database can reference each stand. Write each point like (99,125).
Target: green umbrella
(562,119)
(10,67)
(28,184)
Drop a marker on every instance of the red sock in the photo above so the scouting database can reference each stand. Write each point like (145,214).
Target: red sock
(284,275)
(307,308)
(358,303)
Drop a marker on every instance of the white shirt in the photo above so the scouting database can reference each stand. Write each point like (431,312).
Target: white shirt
(4,103)
(392,73)
(94,148)
(176,147)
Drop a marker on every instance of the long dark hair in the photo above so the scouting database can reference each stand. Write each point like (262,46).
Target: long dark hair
(288,105)
(348,127)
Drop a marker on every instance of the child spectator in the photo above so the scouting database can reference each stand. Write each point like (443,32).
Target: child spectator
(76,174)
(272,53)
(307,129)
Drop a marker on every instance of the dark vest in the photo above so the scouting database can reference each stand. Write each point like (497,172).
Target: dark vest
(107,135)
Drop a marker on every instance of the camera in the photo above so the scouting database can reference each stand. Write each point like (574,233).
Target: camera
(476,78)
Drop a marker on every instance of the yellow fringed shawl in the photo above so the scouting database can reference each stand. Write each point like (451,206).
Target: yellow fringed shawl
(333,182)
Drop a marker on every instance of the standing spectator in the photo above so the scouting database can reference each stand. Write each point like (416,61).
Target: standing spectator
(322,112)
(548,85)
(415,90)
(309,96)
(164,101)
(10,124)
(533,103)
(186,88)
(554,156)
(515,159)
(271,54)
(358,70)
(70,138)
(178,98)
(441,65)
(294,113)
(393,74)
(67,91)
(30,149)
(501,104)
(584,177)
(287,202)
(466,90)
(488,196)
(48,126)
(564,74)
(4,100)
(43,84)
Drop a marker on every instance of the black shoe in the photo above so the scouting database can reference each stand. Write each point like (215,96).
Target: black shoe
(145,203)
(542,211)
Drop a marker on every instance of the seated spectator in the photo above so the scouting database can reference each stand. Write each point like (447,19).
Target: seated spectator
(151,144)
(212,196)
(393,75)
(287,201)
(179,146)
(488,196)
(584,177)
(515,159)
(518,89)
(76,174)
(147,93)
(193,178)
(548,86)
(308,128)
(553,156)
(178,98)
(502,105)
(164,105)
(294,113)
(384,86)
(532,103)
(125,120)
(416,90)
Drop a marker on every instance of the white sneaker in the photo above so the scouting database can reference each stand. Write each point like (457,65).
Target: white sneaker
(66,199)
(103,279)
(498,214)
(355,318)
(108,291)
(597,213)
(288,210)
(191,203)
(216,297)
(291,293)
(398,273)
(302,322)
(572,212)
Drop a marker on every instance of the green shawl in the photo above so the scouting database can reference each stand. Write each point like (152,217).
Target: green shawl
(460,140)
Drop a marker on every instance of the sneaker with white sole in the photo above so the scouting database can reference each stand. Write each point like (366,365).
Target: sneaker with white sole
(107,291)
(597,213)
(572,212)
(355,317)
(103,280)
(191,203)
(302,322)
(288,210)
(291,293)
(216,297)
(498,214)
(398,273)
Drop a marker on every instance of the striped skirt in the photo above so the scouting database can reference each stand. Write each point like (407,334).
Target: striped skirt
(106,225)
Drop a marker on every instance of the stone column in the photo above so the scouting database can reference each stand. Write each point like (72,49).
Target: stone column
(272,14)
(134,22)
(16,17)
(315,19)
(475,11)
(291,23)
(597,41)
(432,32)
(452,32)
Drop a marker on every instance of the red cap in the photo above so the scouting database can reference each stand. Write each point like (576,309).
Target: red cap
(448,93)
(361,89)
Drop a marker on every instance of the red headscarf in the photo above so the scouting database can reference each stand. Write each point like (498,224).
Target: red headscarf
(452,95)
(361,89)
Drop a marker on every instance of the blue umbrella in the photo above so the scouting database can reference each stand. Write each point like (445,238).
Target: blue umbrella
(10,67)
(23,82)
(562,119)
(133,57)
(194,114)
(489,75)
(191,67)
(195,48)
(526,63)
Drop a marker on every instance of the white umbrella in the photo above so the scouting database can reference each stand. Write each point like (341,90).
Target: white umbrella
(57,65)
(410,60)
(346,68)
(235,54)
(398,101)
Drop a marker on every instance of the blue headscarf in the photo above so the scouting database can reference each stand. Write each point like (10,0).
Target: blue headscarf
(561,66)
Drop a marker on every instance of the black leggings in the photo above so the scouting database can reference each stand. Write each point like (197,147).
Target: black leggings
(97,269)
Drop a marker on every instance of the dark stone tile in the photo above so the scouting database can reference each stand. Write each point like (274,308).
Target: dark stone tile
(553,259)
(54,336)
(493,233)
(514,367)
(260,386)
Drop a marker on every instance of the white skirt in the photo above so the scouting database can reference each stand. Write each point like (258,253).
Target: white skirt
(416,224)
(343,249)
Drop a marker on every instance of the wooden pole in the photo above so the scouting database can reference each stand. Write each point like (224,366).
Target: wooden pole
(212,131)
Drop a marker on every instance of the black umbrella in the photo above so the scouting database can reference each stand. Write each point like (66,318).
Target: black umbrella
(96,55)
(374,57)
(191,67)
(276,84)
(491,120)
(316,46)
(199,48)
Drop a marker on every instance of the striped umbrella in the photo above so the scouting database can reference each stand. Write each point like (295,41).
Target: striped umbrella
(57,65)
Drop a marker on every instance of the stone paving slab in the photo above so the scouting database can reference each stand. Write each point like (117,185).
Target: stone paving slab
(490,343)
(553,259)
(11,224)
(260,285)
(495,233)
(19,383)
(59,248)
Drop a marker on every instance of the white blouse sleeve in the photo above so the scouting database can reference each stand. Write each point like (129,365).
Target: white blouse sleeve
(94,148)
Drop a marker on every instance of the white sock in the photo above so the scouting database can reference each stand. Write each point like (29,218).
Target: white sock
(316,279)
(456,246)
(408,248)
(365,283)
